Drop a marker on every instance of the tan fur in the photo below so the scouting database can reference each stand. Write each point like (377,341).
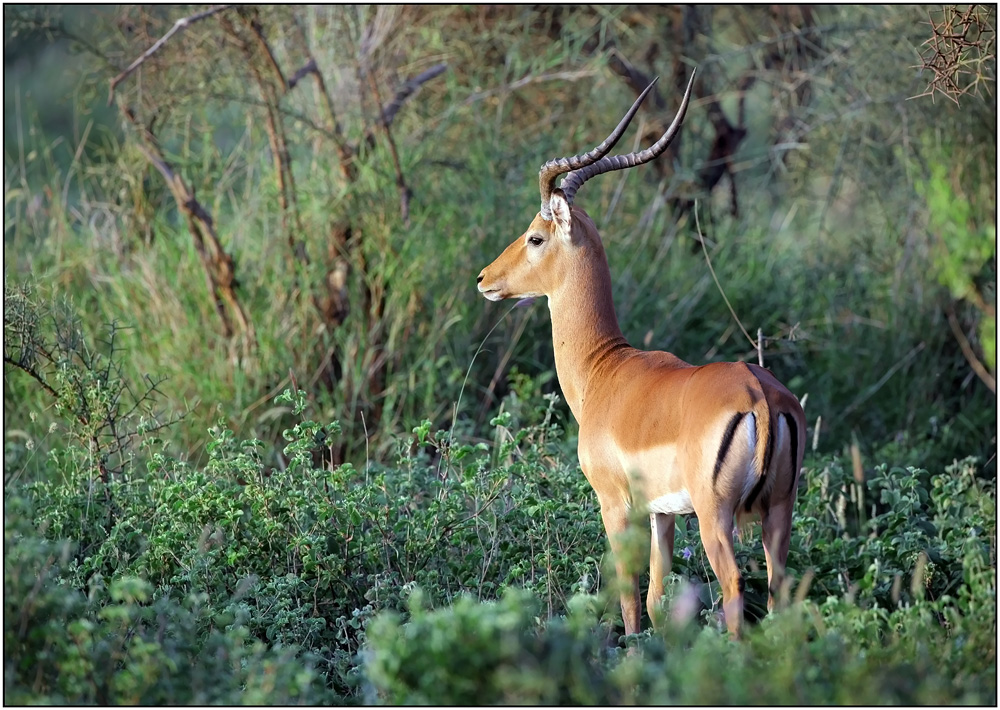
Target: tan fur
(651,424)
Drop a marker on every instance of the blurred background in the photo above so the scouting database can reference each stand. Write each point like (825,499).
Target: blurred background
(350,170)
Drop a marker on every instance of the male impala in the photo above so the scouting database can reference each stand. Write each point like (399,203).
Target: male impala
(717,440)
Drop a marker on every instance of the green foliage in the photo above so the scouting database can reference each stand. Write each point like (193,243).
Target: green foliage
(507,656)
(388,507)
(966,250)
(303,556)
(238,563)
(115,642)
(813,654)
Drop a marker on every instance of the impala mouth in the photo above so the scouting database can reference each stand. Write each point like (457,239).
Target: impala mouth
(492,294)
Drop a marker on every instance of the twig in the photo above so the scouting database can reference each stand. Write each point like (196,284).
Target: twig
(760,347)
(301,73)
(882,380)
(404,190)
(531,79)
(970,355)
(716,279)
(178,26)
(33,373)
(406,90)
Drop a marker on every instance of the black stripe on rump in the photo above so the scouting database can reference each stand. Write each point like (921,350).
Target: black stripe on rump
(767,464)
(793,432)
(727,440)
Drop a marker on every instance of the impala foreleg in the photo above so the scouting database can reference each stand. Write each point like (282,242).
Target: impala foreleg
(615,523)
(717,537)
(661,557)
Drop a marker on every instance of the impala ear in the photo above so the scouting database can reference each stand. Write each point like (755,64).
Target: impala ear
(561,214)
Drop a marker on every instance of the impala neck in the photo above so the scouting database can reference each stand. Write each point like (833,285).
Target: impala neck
(584,326)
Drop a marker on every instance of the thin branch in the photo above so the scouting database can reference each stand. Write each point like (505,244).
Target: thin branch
(716,279)
(882,380)
(301,73)
(531,79)
(963,342)
(345,153)
(253,23)
(404,190)
(406,90)
(31,371)
(181,24)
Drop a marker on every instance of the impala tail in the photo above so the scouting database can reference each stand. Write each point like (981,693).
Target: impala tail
(776,461)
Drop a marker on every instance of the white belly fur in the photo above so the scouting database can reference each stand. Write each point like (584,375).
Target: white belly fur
(678,502)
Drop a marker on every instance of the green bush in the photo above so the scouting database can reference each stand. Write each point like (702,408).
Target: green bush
(813,654)
(118,643)
(486,654)
(289,568)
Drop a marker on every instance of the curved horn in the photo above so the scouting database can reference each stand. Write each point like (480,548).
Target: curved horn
(557,166)
(572,182)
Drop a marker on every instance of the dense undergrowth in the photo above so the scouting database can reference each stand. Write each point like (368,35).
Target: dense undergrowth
(235,582)
(370,493)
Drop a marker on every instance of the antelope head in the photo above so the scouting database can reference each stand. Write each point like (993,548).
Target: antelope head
(561,237)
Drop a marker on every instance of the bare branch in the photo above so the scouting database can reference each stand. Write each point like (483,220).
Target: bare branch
(404,190)
(406,90)
(963,342)
(218,266)
(34,373)
(181,24)
(302,73)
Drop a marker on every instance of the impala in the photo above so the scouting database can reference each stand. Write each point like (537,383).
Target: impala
(719,440)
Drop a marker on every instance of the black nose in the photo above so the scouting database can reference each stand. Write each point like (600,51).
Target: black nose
(479,279)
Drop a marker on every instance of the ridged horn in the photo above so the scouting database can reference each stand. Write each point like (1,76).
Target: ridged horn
(558,166)
(572,182)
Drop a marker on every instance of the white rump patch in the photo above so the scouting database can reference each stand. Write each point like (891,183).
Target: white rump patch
(679,502)
(783,436)
(750,477)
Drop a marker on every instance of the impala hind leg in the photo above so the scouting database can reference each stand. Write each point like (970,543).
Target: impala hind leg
(776,525)
(615,523)
(661,557)
(717,537)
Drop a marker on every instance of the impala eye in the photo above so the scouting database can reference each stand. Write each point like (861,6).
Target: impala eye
(535,241)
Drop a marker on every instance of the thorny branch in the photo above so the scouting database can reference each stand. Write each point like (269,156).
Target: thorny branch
(30,345)
(962,43)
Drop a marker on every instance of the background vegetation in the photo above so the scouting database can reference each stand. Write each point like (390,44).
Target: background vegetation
(263,443)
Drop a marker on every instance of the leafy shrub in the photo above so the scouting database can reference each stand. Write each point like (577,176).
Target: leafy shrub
(289,568)
(489,653)
(117,644)
(501,653)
